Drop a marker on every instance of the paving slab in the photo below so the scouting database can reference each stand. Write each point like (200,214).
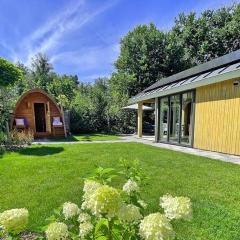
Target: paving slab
(209,154)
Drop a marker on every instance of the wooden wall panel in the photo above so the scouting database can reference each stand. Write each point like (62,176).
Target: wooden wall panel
(26,109)
(217,118)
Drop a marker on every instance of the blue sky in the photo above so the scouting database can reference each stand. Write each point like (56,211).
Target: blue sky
(82,36)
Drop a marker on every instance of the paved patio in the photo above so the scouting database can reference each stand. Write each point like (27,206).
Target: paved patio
(149,140)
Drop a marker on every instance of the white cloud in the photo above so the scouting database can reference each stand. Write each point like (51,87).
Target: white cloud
(93,77)
(88,58)
(48,36)
(92,62)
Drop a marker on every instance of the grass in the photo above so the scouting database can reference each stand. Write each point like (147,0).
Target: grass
(88,137)
(43,177)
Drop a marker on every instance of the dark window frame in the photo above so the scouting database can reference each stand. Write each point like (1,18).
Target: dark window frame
(180,123)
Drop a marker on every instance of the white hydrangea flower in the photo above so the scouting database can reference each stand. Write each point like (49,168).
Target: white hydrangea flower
(142,204)
(130,186)
(14,220)
(90,186)
(84,217)
(57,231)
(156,226)
(129,213)
(105,201)
(176,207)
(70,210)
(89,189)
(85,229)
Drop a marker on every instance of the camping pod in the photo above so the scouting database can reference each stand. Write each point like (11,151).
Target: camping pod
(38,111)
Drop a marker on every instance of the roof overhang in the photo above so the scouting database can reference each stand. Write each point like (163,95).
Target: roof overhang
(135,107)
(211,77)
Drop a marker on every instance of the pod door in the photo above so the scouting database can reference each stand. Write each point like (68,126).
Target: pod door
(40,117)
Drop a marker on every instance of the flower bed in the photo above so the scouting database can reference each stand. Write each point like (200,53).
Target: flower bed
(106,212)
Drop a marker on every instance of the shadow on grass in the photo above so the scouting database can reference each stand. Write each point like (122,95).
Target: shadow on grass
(83,137)
(40,151)
(63,139)
(87,137)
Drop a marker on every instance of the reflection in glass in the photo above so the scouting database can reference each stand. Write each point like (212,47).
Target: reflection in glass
(174,118)
(164,119)
(187,103)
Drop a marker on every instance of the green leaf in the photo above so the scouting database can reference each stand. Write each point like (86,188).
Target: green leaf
(51,219)
(101,228)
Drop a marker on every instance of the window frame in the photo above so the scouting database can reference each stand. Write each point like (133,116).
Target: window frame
(192,116)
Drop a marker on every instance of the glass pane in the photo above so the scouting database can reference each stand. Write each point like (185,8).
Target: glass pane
(186,128)
(163,119)
(174,118)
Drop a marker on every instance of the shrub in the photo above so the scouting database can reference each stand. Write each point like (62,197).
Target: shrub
(3,138)
(14,221)
(24,137)
(112,213)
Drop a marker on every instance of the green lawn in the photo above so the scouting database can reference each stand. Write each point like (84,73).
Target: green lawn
(88,137)
(43,177)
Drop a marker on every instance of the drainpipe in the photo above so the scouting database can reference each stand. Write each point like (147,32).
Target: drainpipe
(140,114)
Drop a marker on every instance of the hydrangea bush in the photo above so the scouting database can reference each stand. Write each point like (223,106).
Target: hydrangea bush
(14,221)
(107,213)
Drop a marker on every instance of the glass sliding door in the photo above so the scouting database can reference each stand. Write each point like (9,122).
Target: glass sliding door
(186,118)
(174,121)
(176,118)
(164,110)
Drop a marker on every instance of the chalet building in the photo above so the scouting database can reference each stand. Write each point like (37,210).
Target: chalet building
(199,107)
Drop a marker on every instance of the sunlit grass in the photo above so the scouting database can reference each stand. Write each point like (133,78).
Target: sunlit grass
(43,177)
(88,137)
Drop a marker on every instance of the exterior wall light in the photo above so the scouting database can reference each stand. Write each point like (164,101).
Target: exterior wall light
(236,83)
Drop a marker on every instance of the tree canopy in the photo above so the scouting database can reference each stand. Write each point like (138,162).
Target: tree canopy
(150,54)
(9,73)
(147,54)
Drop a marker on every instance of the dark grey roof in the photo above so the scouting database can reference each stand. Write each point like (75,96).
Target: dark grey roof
(217,70)
(205,67)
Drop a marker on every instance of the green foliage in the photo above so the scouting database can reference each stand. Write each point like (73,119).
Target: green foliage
(124,222)
(90,108)
(63,85)
(120,85)
(147,54)
(212,34)
(133,170)
(41,71)
(8,98)
(150,54)
(62,100)
(169,171)
(104,175)
(15,139)
(9,73)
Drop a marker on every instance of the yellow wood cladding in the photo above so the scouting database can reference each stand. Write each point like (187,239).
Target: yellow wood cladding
(217,118)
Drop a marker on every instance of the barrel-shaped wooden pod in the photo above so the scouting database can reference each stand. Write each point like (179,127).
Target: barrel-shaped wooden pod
(37,111)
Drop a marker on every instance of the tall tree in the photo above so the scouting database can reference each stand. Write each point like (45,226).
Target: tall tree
(212,34)
(148,54)
(64,84)
(41,70)
(9,73)
(142,54)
